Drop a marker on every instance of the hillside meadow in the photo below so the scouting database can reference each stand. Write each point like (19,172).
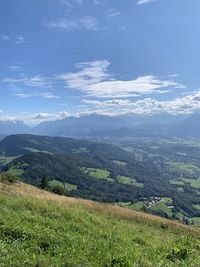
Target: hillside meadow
(38,228)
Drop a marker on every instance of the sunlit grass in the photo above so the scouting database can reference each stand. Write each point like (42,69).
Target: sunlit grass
(38,228)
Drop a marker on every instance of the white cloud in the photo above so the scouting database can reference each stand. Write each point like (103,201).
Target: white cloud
(33,119)
(112,13)
(143,2)
(182,105)
(93,79)
(63,25)
(70,3)
(20,40)
(148,106)
(38,81)
(45,95)
(14,68)
(89,23)
(39,117)
(35,81)
(69,24)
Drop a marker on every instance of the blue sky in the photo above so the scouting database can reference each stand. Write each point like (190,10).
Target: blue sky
(73,57)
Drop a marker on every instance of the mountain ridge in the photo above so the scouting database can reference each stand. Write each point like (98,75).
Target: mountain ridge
(165,125)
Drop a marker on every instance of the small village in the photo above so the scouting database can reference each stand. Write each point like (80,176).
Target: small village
(152,201)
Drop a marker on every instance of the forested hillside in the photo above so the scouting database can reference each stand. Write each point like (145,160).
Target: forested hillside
(101,172)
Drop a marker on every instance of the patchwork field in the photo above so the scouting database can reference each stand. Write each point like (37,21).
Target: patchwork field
(164,205)
(98,173)
(154,168)
(4,160)
(127,180)
(120,163)
(188,167)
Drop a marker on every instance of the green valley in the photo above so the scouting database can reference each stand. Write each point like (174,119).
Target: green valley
(109,173)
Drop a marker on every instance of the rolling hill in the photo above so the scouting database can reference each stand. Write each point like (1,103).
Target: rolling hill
(41,229)
(97,171)
(15,145)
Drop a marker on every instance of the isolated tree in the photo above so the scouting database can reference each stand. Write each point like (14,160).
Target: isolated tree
(44,182)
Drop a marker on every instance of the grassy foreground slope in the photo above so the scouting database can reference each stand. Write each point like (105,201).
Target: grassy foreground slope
(38,228)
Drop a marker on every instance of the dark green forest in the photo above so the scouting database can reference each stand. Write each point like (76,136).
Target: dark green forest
(99,171)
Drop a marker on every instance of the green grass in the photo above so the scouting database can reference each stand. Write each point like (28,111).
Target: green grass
(162,206)
(16,172)
(18,169)
(180,189)
(127,180)
(177,182)
(5,160)
(32,149)
(36,150)
(70,187)
(98,173)
(196,221)
(80,150)
(136,206)
(54,183)
(197,207)
(120,163)
(188,167)
(194,182)
(43,233)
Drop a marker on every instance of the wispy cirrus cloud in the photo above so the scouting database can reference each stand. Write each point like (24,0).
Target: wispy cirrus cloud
(89,23)
(143,2)
(45,95)
(71,3)
(14,68)
(63,25)
(70,24)
(34,81)
(16,40)
(112,13)
(20,40)
(74,20)
(94,79)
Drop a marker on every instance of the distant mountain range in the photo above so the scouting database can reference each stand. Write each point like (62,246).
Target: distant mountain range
(13,127)
(159,125)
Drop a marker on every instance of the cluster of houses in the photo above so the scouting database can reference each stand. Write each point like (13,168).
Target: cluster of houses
(152,201)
